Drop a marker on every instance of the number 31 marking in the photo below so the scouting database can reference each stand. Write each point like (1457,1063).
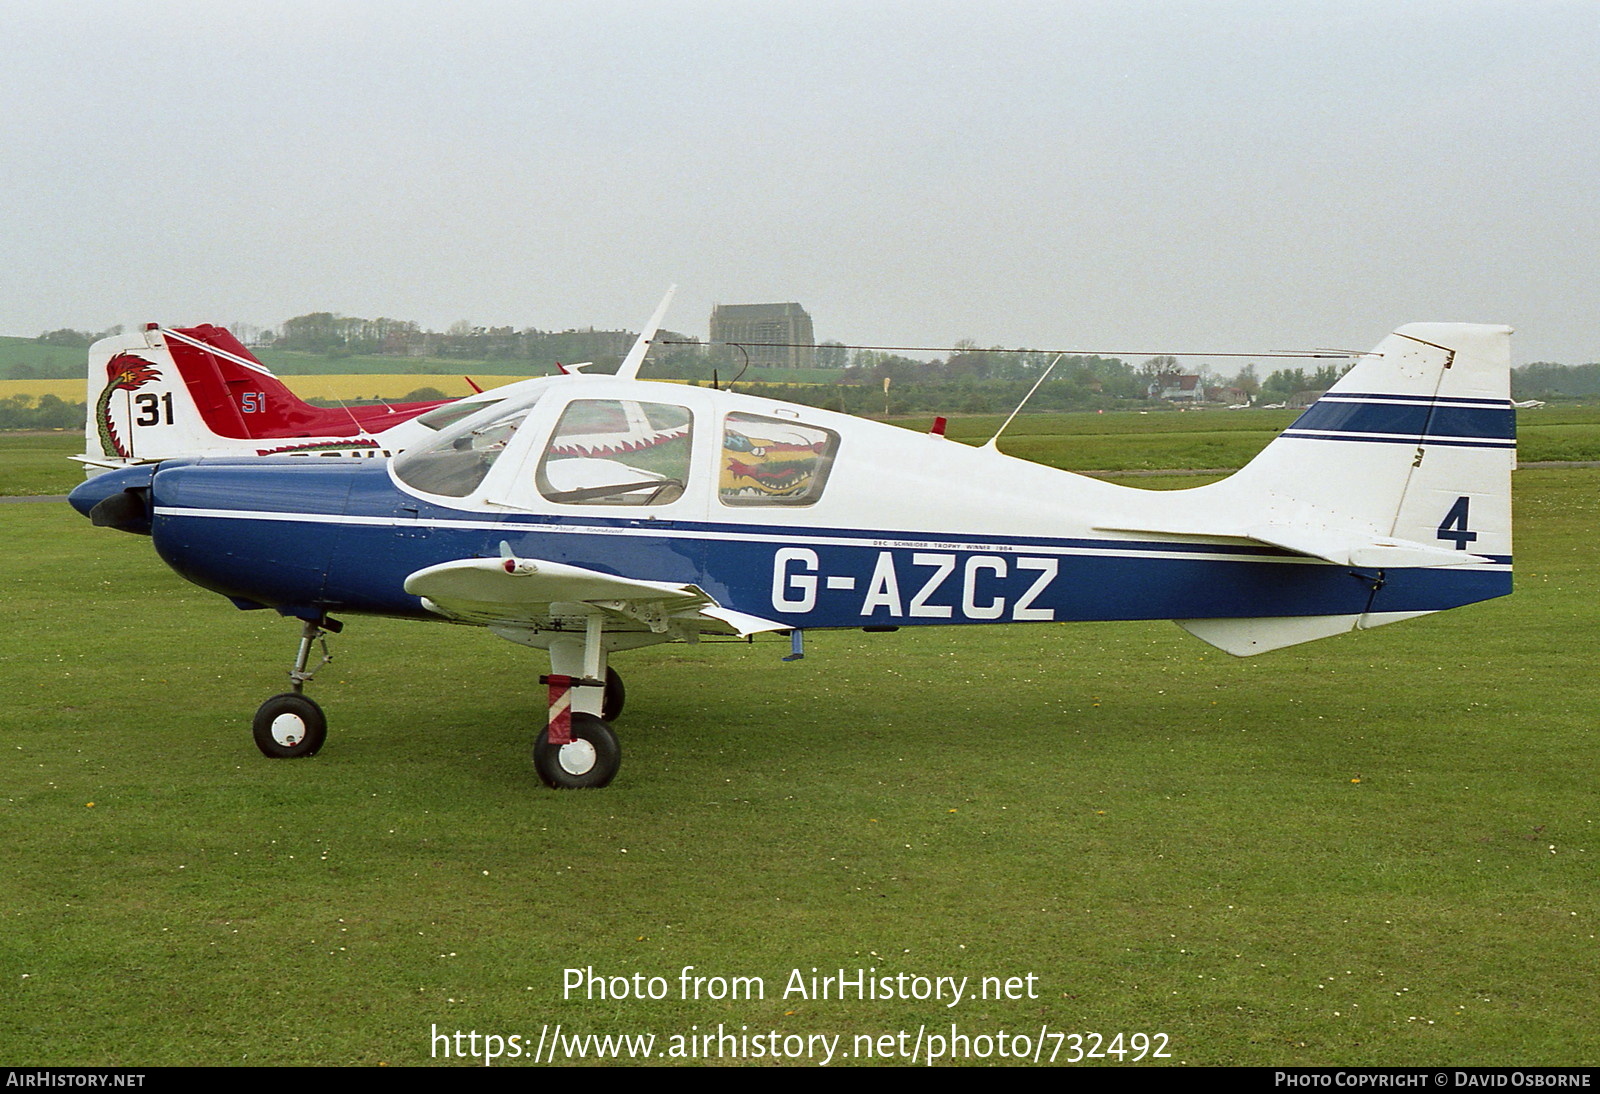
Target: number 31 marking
(153,410)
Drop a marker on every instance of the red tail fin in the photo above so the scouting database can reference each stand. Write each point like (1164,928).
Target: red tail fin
(239,397)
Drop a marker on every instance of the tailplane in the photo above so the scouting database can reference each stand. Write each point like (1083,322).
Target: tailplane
(1401,473)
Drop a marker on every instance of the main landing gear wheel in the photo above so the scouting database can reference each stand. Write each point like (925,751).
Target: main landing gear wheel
(290,725)
(615,698)
(589,762)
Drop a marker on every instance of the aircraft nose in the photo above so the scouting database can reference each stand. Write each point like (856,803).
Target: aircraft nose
(117,499)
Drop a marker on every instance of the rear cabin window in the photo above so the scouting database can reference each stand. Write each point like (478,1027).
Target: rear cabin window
(768,461)
(617,452)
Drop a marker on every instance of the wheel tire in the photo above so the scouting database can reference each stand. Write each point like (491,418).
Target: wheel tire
(616,697)
(288,726)
(588,763)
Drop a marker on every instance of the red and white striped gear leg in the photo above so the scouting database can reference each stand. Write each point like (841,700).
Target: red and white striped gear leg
(560,732)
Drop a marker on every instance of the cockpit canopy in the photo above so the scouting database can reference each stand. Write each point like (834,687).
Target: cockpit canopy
(454,463)
(618,451)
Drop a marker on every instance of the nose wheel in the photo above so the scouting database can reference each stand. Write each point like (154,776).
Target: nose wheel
(290,725)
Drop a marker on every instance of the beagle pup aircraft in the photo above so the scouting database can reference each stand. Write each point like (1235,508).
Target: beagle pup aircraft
(197,391)
(588,515)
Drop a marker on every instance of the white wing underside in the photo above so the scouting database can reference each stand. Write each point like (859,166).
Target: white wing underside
(536,594)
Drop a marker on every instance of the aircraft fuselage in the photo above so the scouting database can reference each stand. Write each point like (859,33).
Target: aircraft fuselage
(313,537)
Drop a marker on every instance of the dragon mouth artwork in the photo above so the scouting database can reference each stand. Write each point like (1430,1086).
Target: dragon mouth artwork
(602,445)
(759,467)
(320,446)
(775,478)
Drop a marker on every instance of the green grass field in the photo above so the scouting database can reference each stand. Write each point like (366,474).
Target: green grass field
(39,463)
(1377,849)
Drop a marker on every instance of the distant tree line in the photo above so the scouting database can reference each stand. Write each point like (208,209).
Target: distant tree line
(75,339)
(47,412)
(1543,380)
(346,336)
(50,366)
(968,379)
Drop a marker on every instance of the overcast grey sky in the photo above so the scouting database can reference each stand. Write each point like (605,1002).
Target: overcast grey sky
(1102,175)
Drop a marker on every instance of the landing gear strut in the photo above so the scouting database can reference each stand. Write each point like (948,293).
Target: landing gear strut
(577,749)
(290,725)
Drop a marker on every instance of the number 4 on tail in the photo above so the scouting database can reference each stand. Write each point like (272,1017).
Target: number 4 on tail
(1454,525)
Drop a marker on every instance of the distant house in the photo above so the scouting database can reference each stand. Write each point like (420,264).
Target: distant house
(1178,389)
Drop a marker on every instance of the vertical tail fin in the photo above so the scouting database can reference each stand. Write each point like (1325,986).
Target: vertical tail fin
(197,391)
(1418,425)
(237,396)
(139,407)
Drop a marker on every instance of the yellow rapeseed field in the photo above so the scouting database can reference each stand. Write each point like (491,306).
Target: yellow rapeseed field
(374,386)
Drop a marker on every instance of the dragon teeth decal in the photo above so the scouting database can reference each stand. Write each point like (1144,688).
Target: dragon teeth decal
(319,446)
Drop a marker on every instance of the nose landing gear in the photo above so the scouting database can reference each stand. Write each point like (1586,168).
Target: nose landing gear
(290,725)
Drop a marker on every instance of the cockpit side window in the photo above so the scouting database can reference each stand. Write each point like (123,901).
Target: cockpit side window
(769,461)
(454,464)
(617,452)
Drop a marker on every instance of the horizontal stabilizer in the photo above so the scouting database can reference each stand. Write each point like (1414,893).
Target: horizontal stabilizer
(1348,549)
(1343,548)
(1248,637)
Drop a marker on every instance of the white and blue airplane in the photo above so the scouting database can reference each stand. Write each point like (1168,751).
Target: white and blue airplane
(587,515)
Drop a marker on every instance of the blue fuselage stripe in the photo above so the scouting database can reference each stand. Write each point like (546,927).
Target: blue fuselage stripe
(355,556)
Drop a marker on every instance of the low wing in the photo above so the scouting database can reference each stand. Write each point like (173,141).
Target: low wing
(527,592)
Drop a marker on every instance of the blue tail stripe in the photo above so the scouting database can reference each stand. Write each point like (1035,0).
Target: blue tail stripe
(1410,420)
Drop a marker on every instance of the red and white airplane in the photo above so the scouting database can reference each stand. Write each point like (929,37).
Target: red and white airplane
(165,393)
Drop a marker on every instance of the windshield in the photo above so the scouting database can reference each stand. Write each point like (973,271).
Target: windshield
(454,463)
(451,413)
